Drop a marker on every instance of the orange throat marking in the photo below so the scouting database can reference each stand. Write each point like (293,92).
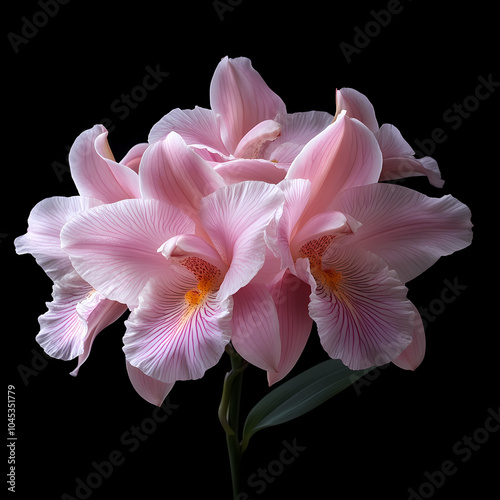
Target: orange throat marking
(328,279)
(208,277)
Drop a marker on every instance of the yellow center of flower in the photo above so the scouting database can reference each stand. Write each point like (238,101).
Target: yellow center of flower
(208,277)
(329,279)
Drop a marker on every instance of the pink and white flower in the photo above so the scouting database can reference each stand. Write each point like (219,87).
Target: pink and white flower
(247,134)
(188,293)
(356,242)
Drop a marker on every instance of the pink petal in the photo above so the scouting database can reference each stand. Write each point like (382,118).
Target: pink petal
(169,339)
(362,313)
(198,126)
(291,298)
(282,228)
(43,239)
(297,129)
(114,247)
(240,170)
(98,313)
(242,98)
(235,218)
(256,330)
(346,154)
(96,173)
(132,159)
(409,230)
(62,330)
(172,172)
(152,390)
(399,161)
(255,142)
(357,106)
(414,354)
(181,247)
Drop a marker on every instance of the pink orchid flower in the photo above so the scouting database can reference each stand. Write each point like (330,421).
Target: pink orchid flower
(399,157)
(247,134)
(77,313)
(187,282)
(356,242)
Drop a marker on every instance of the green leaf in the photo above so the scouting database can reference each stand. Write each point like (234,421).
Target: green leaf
(299,395)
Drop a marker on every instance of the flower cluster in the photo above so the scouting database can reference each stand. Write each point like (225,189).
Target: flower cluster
(243,223)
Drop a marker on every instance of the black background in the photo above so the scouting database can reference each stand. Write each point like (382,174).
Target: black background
(378,440)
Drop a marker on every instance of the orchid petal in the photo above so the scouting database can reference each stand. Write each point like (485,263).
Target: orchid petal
(414,354)
(62,330)
(291,298)
(256,330)
(357,106)
(95,172)
(297,129)
(346,154)
(169,339)
(399,161)
(132,159)
(172,172)
(281,229)
(240,170)
(235,218)
(98,313)
(240,95)
(114,247)
(198,126)
(255,142)
(152,390)
(409,230)
(43,239)
(362,314)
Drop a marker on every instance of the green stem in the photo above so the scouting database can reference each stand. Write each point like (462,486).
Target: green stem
(229,414)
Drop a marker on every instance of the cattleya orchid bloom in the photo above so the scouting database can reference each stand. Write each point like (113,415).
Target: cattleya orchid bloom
(247,134)
(184,279)
(356,242)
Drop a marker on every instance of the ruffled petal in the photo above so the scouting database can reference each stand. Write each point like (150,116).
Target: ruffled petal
(62,329)
(235,218)
(399,160)
(132,159)
(43,239)
(240,95)
(114,247)
(173,173)
(168,338)
(409,230)
(413,355)
(360,308)
(152,390)
(96,173)
(256,330)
